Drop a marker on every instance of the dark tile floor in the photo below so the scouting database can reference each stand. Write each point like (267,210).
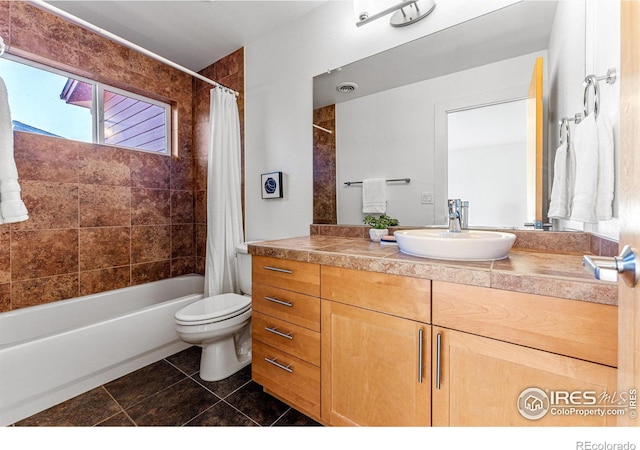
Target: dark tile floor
(170,393)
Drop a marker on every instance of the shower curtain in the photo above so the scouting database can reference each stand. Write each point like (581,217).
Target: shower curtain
(224,208)
(12,208)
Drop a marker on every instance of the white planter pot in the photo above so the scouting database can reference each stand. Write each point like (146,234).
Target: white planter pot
(375,234)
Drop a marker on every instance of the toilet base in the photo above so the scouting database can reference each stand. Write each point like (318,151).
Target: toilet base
(219,360)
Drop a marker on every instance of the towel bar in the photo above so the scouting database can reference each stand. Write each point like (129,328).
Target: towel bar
(406,180)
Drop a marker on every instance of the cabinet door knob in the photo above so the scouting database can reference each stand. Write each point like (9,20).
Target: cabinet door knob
(608,268)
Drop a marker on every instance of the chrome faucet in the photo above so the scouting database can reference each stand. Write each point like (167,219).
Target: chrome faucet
(455,209)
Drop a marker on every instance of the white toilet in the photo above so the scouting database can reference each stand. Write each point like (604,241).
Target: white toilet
(221,325)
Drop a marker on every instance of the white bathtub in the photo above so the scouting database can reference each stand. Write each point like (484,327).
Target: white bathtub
(50,353)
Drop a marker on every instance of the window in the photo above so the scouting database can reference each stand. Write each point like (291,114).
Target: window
(50,102)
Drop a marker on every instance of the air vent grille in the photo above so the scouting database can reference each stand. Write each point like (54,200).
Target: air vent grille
(347,87)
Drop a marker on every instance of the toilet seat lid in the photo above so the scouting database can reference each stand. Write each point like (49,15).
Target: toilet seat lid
(213,309)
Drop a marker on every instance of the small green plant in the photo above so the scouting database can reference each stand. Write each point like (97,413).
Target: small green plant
(381,222)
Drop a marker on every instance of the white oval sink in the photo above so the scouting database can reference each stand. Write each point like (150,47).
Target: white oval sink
(468,245)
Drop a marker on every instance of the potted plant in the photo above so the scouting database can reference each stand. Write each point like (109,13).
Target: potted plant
(379,225)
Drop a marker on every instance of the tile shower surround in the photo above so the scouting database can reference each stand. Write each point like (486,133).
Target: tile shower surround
(324,166)
(103,217)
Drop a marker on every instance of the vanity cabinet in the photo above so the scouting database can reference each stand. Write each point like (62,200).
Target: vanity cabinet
(352,347)
(286,331)
(497,344)
(376,344)
(478,382)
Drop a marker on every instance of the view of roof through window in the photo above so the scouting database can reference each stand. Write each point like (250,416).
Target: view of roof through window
(36,106)
(52,104)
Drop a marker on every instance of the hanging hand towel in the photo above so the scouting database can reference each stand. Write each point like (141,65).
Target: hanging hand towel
(583,205)
(606,171)
(12,208)
(562,183)
(374,195)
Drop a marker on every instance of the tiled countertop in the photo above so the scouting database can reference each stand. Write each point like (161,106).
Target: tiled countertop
(551,274)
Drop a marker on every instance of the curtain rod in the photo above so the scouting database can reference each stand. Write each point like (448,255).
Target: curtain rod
(83,23)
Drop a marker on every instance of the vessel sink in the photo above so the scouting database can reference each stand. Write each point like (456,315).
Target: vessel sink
(468,245)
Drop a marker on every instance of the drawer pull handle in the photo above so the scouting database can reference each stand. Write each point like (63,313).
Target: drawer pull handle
(420,356)
(279,302)
(438,356)
(279,333)
(276,269)
(277,364)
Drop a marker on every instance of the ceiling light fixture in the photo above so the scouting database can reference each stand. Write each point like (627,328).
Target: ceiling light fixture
(406,11)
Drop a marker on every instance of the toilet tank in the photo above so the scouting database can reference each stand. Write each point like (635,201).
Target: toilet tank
(243,264)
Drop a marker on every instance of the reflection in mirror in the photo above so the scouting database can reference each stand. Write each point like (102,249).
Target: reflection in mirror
(390,127)
(487,161)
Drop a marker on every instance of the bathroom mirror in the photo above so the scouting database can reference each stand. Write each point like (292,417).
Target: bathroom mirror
(392,124)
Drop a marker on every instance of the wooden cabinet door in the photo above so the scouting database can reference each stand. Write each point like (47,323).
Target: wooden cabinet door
(482,381)
(375,368)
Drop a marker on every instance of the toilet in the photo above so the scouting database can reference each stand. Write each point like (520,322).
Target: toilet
(221,325)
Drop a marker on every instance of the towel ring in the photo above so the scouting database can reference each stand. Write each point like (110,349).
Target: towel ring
(591,80)
(564,126)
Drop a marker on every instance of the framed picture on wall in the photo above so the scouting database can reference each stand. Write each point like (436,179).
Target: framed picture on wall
(271,185)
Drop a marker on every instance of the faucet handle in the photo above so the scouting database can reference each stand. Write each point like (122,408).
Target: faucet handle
(454,205)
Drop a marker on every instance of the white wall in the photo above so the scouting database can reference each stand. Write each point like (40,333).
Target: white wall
(585,40)
(278,111)
(392,135)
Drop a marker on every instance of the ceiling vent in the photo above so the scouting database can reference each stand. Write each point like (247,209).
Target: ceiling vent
(347,87)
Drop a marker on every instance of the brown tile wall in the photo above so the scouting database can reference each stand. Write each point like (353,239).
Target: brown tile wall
(100,217)
(228,71)
(324,167)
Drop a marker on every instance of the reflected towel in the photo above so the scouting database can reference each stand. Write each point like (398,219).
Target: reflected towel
(374,196)
(563,181)
(606,171)
(12,208)
(583,204)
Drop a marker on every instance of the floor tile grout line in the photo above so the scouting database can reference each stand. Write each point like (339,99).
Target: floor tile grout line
(247,416)
(217,395)
(201,412)
(281,416)
(152,395)
(178,368)
(122,410)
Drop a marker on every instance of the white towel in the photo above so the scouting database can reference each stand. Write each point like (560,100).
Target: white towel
(606,171)
(583,204)
(12,208)
(374,195)
(563,182)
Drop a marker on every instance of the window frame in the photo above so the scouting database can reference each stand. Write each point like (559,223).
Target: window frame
(97,105)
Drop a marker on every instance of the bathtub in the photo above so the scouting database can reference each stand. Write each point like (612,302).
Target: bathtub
(52,352)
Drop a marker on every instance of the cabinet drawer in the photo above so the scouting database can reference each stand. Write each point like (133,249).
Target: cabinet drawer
(294,381)
(295,340)
(574,328)
(291,275)
(400,296)
(300,309)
